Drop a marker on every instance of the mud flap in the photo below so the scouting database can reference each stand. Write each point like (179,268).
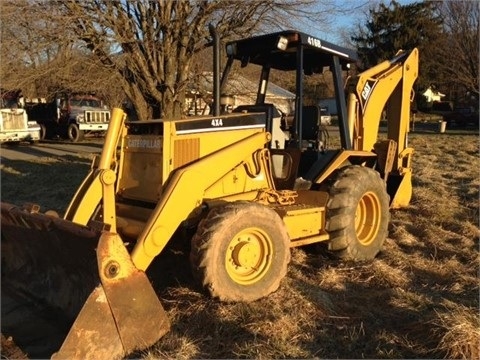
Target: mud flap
(121,315)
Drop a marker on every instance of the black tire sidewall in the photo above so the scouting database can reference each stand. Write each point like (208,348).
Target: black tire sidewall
(234,219)
(352,183)
(74,134)
(43,132)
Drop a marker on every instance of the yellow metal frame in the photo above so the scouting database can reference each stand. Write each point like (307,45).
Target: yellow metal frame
(100,181)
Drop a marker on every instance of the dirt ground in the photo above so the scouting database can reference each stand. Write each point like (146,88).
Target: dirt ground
(10,350)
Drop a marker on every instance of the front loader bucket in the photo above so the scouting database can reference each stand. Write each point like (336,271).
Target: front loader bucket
(86,275)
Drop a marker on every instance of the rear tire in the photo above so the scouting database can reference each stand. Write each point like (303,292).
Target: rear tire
(47,131)
(74,133)
(357,213)
(240,252)
(43,132)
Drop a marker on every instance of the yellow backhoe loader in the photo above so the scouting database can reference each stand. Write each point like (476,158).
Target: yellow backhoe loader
(252,185)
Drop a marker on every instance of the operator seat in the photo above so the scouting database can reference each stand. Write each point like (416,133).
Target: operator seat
(310,122)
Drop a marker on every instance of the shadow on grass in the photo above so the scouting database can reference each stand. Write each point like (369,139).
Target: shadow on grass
(360,321)
(51,183)
(93,142)
(364,320)
(368,320)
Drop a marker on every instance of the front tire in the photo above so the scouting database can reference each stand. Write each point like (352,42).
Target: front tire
(240,252)
(74,133)
(357,213)
(43,132)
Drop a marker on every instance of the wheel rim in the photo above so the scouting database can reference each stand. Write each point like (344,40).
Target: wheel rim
(249,256)
(367,218)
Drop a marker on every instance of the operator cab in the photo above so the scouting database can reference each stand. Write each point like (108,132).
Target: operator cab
(301,152)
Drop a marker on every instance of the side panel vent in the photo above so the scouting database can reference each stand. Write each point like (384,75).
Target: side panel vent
(185,151)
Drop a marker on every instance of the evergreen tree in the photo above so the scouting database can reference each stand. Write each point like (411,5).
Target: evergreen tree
(392,27)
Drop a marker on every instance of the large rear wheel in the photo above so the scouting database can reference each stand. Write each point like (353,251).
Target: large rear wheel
(240,251)
(43,132)
(357,213)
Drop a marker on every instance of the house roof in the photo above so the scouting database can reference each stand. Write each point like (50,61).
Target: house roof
(240,85)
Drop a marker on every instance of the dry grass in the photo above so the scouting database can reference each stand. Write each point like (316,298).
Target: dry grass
(460,332)
(418,299)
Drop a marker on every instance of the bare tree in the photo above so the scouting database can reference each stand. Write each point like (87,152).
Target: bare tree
(459,59)
(146,46)
(42,57)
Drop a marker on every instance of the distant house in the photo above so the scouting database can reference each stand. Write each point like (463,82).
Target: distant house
(432,95)
(239,91)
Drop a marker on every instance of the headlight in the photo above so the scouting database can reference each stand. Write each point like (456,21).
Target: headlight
(80,118)
(282,43)
(231,49)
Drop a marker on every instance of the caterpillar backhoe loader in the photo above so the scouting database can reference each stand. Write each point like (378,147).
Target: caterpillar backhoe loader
(253,187)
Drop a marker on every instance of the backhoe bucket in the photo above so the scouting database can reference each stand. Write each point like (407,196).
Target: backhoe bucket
(400,189)
(68,266)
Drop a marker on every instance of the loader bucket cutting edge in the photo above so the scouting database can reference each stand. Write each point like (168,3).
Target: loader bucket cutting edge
(60,258)
(121,315)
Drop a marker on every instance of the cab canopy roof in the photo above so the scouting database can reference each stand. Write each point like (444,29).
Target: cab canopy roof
(279,51)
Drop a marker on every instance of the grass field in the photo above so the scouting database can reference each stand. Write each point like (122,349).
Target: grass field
(418,299)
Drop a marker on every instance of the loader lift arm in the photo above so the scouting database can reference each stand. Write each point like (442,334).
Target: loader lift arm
(107,325)
(99,183)
(158,230)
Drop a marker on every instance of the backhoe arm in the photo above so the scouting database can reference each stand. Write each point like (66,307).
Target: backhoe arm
(390,81)
(389,86)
